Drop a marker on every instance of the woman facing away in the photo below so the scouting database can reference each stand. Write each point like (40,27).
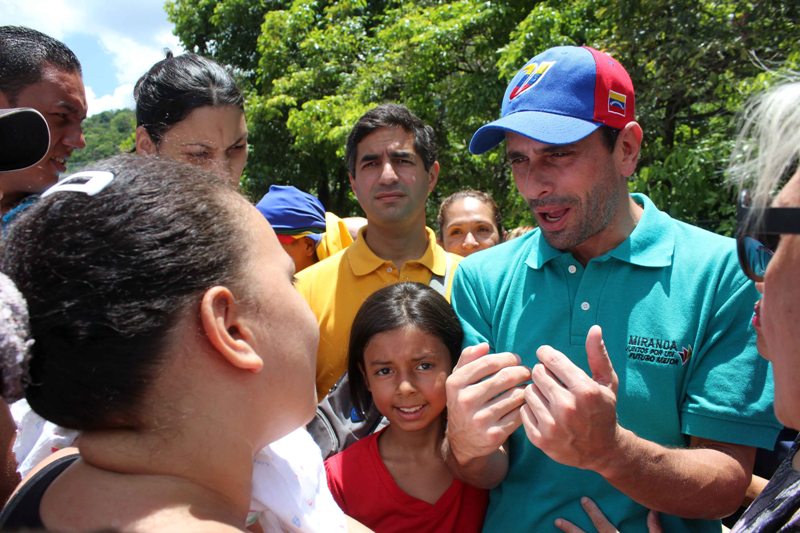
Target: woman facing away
(159,334)
(189,109)
(404,343)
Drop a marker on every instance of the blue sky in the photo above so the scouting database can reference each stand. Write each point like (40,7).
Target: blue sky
(116,41)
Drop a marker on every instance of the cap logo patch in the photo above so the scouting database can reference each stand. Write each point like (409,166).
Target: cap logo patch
(616,103)
(534,72)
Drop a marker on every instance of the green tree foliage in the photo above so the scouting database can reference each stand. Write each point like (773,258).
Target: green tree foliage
(107,133)
(311,68)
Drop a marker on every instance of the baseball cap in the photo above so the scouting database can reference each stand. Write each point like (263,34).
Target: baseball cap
(561,96)
(24,138)
(293,212)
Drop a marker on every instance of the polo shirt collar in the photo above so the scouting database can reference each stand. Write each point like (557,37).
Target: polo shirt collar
(363,260)
(650,244)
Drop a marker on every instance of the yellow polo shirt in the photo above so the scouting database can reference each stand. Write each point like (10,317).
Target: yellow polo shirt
(336,287)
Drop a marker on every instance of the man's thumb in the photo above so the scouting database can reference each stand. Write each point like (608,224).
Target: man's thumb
(599,362)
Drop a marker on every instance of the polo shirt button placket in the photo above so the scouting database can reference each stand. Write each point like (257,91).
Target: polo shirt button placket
(585,306)
(572,269)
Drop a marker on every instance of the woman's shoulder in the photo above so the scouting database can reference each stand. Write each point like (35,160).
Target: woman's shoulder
(86,498)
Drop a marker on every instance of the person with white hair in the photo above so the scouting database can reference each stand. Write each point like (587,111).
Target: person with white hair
(766,159)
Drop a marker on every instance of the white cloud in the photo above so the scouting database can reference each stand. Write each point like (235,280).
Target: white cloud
(53,17)
(133,32)
(122,97)
(132,57)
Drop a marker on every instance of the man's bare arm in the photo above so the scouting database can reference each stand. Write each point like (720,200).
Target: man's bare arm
(572,418)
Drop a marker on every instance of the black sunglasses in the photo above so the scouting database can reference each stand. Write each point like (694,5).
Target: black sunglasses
(758,233)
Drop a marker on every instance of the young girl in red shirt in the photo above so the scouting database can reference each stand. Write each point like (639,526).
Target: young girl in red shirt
(404,343)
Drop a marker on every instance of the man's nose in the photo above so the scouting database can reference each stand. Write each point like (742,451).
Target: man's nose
(533,182)
(74,138)
(388,173)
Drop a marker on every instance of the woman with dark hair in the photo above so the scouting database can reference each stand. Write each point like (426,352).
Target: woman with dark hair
(469,221)
(188,108)
(158,301)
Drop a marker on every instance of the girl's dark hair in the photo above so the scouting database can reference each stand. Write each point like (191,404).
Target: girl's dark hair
(176,86)
(483,197)
(397,306)
(107,276)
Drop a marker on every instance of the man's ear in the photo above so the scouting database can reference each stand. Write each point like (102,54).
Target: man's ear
(352,182)
(433,176)
(309,246)
(144,143)
(629,144)
(226,327)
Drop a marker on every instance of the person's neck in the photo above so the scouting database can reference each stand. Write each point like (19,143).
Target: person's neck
(397,244)
(220,466)
(10,200)
(412,446)
(615,233)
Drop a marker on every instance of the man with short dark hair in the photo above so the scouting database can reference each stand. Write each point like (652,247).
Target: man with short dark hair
(661,408)
(23,142)
(40,72)
(391,158)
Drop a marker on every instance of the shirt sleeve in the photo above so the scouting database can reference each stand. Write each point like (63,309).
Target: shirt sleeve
(729,396)
(471,308)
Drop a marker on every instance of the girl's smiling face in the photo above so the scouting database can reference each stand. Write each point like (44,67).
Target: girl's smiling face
(405,371)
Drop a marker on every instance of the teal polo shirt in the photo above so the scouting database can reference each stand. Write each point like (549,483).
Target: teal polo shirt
(675,310)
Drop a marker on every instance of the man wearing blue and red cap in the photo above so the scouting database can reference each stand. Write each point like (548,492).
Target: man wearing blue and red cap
(306,232)
(646,390)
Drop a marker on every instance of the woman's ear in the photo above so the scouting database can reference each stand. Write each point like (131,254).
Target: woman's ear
(144,143)
(226,328)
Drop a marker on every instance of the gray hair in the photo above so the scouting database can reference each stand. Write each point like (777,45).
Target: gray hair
(767,149)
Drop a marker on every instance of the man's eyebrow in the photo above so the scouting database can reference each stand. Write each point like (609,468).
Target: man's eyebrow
(369,157)
(70,107)
(403,154)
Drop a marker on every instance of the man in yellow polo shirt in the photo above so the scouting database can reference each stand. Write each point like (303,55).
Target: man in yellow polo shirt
(391,159)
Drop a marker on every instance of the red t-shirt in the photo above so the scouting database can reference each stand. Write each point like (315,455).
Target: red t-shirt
(366,491)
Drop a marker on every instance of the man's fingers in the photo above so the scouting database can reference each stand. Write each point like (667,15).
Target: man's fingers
(597,517)
(653,522)
(599,362)
(567,526)
(471,353)
(538,405)
(509,399)
(564,370)
(488,376)
(509,423)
